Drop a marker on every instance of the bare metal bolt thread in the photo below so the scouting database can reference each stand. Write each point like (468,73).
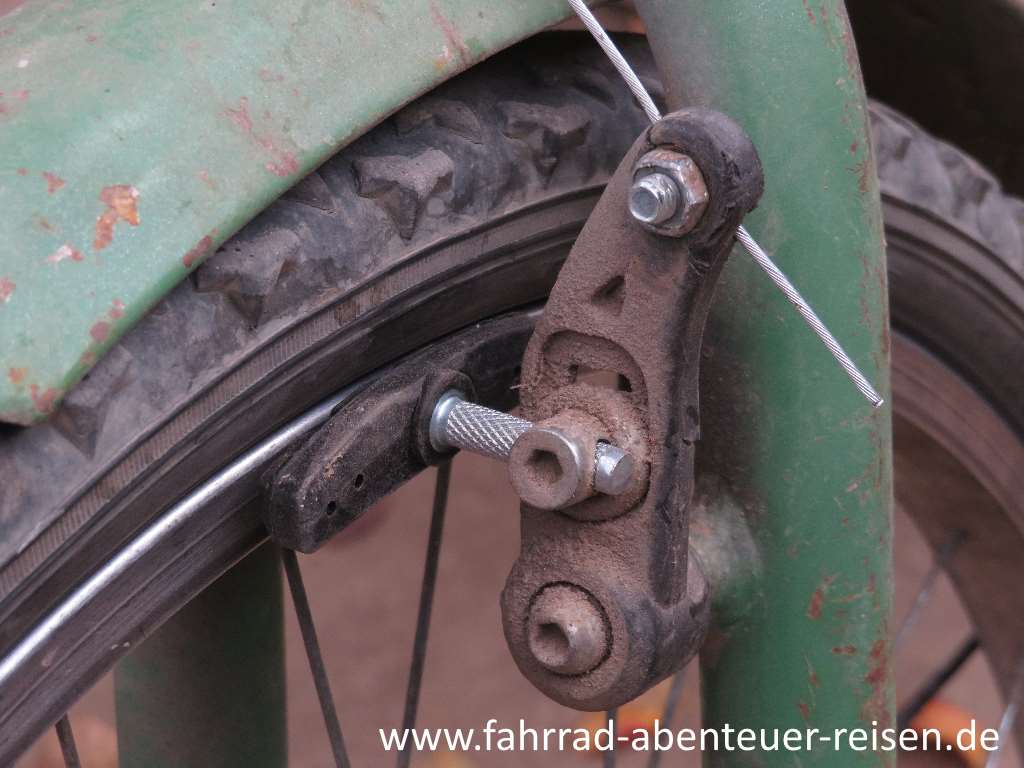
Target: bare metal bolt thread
(459,424)
(654,199)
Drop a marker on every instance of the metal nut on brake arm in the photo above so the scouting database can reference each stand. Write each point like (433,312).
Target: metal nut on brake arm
(669,194)
(596,614)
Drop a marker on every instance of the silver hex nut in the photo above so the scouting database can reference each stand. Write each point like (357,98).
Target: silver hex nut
(652,203)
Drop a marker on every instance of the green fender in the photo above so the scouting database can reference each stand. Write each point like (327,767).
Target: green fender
(137,136)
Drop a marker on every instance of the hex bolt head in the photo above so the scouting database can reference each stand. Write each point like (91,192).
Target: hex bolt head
(566,630)
(613,473)
(648,191)
(654,198)
(547,468)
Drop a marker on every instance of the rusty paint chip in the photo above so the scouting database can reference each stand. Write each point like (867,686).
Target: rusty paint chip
(66,251)
(817,600)
(451,33)
(53,182)
(100,331)
(46,400)
(122,204)
(198,251)
(7,287)
(283,162)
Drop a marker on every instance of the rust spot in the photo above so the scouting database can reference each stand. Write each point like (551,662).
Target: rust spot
(269,76)
(122,205)
(442,61)
(16,375)
(240,116)
(7,31)
(863,171)
(92,38)
(100,331)
(879,663)
(44,223)
(9,6)
(284,163)
(22,171)
(286,166)
(44,401)
(204,176)
(850,49)
(53,182)
(845,650)
(875,709)
(66,251)
(451,34)
(817,600)
(7,287)
(198,251)
(805,711)
(854,147)
(810,13)
(88,358)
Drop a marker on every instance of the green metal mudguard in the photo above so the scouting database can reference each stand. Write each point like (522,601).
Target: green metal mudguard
(137,136)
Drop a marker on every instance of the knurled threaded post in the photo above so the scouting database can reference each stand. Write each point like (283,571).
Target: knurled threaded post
(459,424)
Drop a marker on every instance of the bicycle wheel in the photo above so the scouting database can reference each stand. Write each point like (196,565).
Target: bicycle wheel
(457,210)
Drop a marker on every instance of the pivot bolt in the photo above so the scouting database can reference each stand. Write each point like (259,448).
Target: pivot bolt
(549,467)
(669,194)
(566,631)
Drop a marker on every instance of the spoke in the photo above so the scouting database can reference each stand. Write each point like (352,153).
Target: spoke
(67,743)
(419,646)
(942,676)
(609,721)
(924,594)
(316,661)
(675,692)
(1009,719)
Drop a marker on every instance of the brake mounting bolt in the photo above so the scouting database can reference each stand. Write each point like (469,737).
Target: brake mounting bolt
(669,194)
(554,468)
